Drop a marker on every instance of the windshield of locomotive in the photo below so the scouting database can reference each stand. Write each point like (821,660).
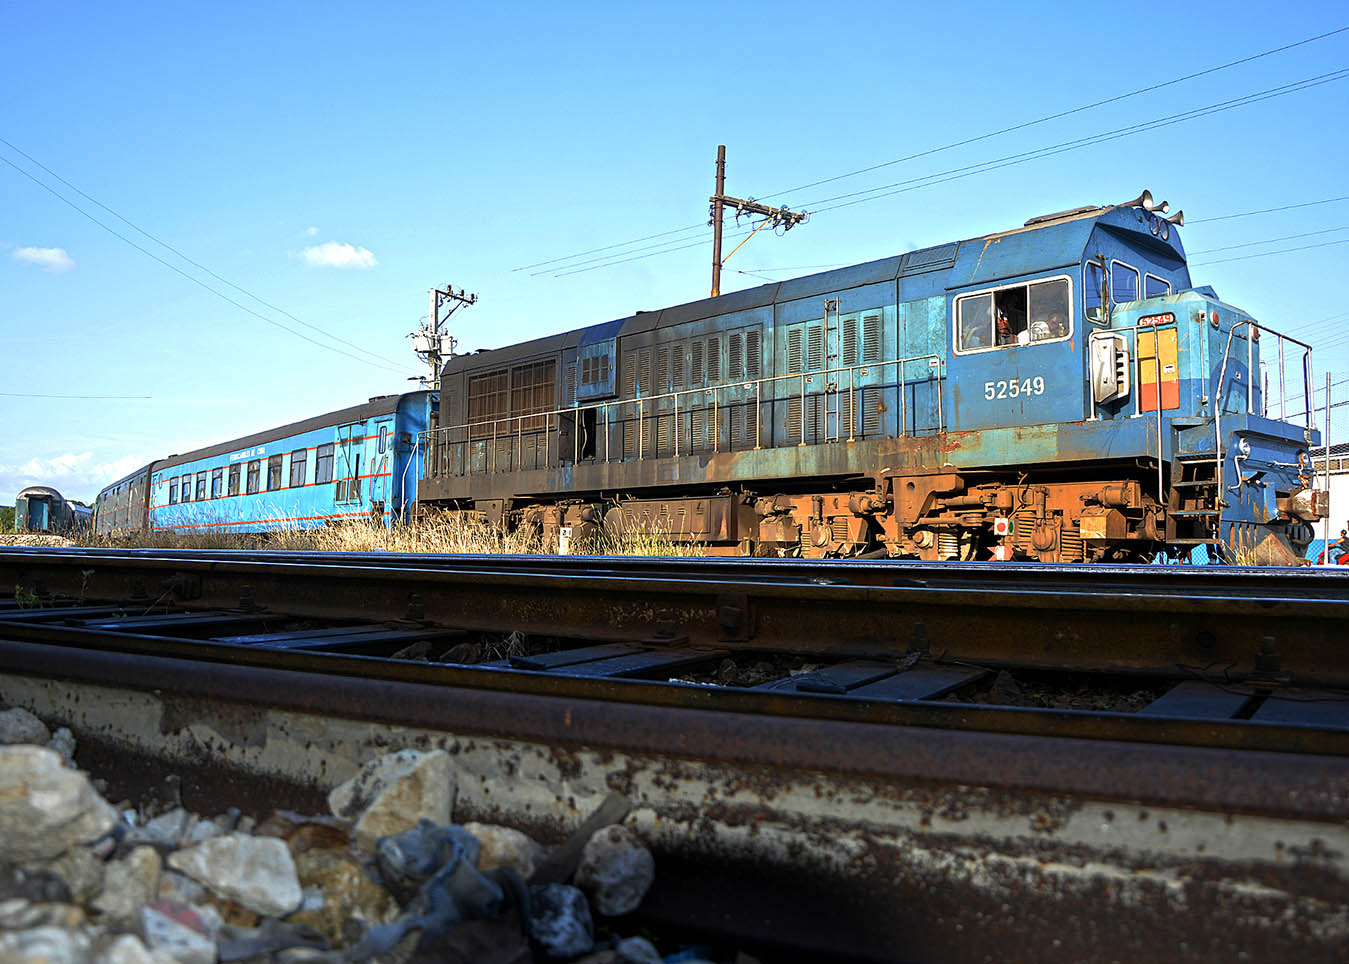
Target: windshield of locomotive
(1017,315)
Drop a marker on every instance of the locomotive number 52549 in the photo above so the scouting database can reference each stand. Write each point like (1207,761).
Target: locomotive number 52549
(1011,388)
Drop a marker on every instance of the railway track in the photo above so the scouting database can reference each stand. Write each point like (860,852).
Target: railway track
(856,756)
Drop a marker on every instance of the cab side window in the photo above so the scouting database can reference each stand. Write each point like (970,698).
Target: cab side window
(1015,315)
(1093,293)
(1123,283)
(975,322)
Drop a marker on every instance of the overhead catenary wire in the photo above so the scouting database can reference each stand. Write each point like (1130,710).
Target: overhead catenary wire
(963,142)
(197,281)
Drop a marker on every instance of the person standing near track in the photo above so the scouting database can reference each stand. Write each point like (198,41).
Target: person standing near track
(1336,552)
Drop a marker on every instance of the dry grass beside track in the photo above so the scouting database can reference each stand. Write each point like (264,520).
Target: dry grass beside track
(432,534)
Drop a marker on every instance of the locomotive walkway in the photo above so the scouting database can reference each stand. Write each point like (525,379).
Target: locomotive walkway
(904,751)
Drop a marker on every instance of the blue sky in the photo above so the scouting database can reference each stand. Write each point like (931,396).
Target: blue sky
(337,160)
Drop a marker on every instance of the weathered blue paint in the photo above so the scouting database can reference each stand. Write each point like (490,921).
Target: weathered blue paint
(375,465)
(853,376)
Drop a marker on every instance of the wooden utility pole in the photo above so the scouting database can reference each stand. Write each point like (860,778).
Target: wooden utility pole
(716,219)
(777,217)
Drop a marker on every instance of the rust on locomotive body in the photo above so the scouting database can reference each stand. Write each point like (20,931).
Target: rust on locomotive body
(1061,392)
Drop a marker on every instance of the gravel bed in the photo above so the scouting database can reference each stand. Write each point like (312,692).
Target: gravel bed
(384,875)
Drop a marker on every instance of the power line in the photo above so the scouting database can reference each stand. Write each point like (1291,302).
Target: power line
(1286,237)
(1078,143)
(607,247)
(1266,254)
(654,248)
(806,267)
(197,281)
(640,257)
(1286,207)
(929,180)
(1065,113)
(86,397)
(967,141)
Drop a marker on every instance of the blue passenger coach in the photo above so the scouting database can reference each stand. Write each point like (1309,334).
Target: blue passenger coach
(356,463)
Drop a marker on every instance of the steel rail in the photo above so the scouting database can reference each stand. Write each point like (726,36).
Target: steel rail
(1245,735)
(859,571)
(848,839)
(710,729)
(1050,617)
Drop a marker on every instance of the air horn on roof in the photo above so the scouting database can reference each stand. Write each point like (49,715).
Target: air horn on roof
(1143,201)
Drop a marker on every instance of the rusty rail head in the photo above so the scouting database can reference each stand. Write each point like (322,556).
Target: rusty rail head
(1140,619)
(1234,780)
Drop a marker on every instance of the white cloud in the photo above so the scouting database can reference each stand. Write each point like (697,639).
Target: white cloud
(51,259)
(334,254)
(311,232)
(74,474)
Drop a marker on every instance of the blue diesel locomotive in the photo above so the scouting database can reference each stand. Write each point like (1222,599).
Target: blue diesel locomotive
(357,463)
(1059,392)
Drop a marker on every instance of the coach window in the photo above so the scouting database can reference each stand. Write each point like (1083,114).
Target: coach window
(173,490)
(323,464)
(1154,286)
(254,477)
(201,487)
(233,487)
(1123,283)
(185,490)
(217,477)
(274,473)
(1093,293)
(299,466)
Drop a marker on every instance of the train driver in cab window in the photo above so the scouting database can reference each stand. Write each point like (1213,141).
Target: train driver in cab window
(1004,324)
(1048,310)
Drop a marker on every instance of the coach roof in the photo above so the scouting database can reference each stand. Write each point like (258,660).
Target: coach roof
(381,405)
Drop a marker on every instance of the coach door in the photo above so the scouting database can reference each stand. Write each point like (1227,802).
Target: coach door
(381,458)
(351,467)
